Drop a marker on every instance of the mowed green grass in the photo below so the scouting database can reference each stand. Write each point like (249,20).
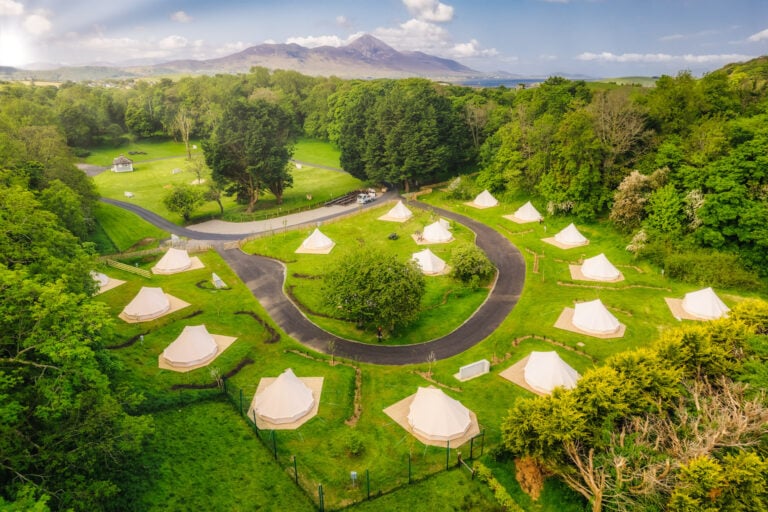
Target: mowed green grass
(447,302)
(151,149)
(125,229)
(153,179)
(316,152)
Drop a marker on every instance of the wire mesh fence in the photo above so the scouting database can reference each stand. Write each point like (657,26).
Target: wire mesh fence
(334,488)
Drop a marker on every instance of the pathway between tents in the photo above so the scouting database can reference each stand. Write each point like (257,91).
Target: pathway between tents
(265,278)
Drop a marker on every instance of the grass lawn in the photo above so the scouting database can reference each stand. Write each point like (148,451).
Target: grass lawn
(316,152)
(323,446)
(153,178)
(123,229)
(447,302)
(149,149)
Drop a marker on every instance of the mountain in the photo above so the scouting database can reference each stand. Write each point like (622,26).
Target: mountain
(365,57)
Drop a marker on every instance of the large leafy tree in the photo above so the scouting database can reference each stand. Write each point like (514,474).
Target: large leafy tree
(372,288)
(250,150)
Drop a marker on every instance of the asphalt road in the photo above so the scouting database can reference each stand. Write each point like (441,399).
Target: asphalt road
(265,278)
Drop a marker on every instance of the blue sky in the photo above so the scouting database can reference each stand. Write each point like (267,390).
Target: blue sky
(527,37)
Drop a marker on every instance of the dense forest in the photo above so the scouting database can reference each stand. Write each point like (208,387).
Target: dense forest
(681,168)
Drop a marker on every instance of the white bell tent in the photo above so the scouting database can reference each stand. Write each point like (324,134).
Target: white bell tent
(317,243)
(172,262)
(571,236)
(705,304)
(285,400)
(545,371)
(399,212)
(594,317)
(429,263)
(485,200)
(438,417)
(527,213)
(148,304)
(194,346)
(436,233)
(600,269)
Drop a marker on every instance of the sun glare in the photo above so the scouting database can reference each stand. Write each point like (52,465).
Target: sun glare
(14,50)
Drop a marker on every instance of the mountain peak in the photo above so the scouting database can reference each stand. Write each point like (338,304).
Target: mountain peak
(370,46)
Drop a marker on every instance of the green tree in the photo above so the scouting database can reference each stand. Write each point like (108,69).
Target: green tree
(372,288)
(250,149)
(184,200)
(65,203)
(665,214)
(470,264)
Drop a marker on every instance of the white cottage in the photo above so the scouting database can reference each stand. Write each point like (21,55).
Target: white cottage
(122,164)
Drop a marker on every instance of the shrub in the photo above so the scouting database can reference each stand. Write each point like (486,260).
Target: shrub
(710,268)
(354,444)
(485,475)
(471,265)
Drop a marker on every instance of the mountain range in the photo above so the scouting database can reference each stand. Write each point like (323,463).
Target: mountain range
(365,57)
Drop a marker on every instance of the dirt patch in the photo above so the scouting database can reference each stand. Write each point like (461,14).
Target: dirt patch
(530,475)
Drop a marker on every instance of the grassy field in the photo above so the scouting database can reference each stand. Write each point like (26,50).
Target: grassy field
(165,166)
(147,149)
(447,303)
(124,229)
(323,447)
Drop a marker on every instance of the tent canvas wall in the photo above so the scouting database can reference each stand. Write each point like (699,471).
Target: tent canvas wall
(285,400)
(435,232)
(436,416)
(599,268)
(400,211)
(485,199)
(428,262)
(192,347)
(317,242)
(528,213)
(705,303)
(148,304)
(173,261)
(571,236)
(100,278)
(594,317)
(545,371)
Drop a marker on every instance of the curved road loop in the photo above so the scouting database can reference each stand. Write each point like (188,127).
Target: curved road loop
(265,278)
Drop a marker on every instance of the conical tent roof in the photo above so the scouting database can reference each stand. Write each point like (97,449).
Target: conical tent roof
(174,260)
(598,267)
(545,371)
(705,303)
(485,198)
(317,240)
(193,346)
(594,317)
(571,236)
(428,262)
(435,232)
(400,211)
(436,416)
(285,400)
(149,303)
(528,212)
(445,223)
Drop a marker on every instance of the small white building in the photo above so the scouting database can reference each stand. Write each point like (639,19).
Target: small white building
(122,164)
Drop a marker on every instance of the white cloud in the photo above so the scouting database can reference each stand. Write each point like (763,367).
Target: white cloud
(471,49)
(36,24)
(315,41)
(235,47)
(429,10)
(343,21)
(181,17)
(173,43)
(420,35)
(11,8)
(661,57)
(760,36)
(672,37)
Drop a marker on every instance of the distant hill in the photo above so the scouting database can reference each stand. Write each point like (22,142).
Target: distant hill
(365,57)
